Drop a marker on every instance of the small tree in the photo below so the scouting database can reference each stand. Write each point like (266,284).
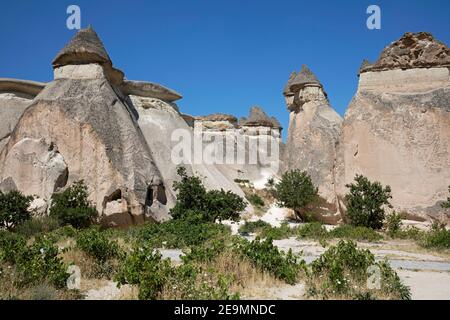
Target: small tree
(366,201)
(208,206)
(295,191)
(14,209)
(446,204)
(72,206)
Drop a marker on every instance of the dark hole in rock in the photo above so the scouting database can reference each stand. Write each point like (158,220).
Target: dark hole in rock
(61,182)
(156,192)
(114,196)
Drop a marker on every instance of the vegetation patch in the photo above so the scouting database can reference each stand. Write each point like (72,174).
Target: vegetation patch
(343,272)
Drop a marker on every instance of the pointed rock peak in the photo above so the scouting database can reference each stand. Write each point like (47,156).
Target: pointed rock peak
(84,48)
(412,50)
(257,117)
(303,78)
(286,90)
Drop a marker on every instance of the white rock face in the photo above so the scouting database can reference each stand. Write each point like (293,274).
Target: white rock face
(38,207)
(397,131)
(81,71)
(158,120)
(35,167)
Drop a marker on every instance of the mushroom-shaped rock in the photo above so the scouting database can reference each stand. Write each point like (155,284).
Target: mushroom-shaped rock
(150,90)
(84,48)
(303,78)
(257,117)
(27,87)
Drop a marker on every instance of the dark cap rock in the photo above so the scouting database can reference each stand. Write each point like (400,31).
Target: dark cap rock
(257,117)
(84,48)
(303,78)
(412,50)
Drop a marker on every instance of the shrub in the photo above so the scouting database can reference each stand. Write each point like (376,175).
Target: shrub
(253,226)
(146,268)
(97,245)
(72,206)
(14,209)
(37,225)
(180,233)
(295,191)
(10,246)
(40,262)
(314,230)
(393,224)
(446,204)
(343,270)
(277,233)
(438,238)
(265,256)
(206,252)
(365,202)
(192,197)
(223,205)
(355,233)
(255,200)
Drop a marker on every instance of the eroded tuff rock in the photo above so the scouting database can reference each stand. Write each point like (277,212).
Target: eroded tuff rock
(312,137)
(164,128)
(84,116)
(397,127)
(15,96)
(412,50)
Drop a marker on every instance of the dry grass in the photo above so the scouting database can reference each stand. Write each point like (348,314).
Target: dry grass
(247,280)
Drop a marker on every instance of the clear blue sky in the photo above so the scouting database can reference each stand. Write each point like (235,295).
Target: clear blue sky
(222,56)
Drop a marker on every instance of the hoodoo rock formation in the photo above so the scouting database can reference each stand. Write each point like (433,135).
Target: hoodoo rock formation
(396,129)
(254,143)
(92,124)
(312,136)
(79,127)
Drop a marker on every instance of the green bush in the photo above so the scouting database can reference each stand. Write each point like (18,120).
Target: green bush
(182,233)
(355,233)
(97,245)
(343,271)
(72,206)
(393,224)
(255,200)
(438,238)
(14,209)
(210,206)
(10,246)
(37,225)
(366,201)
(314,230)
(296,191)
(277,233)
(146,268)
(40,262)
(206,252)
(253,226)
(265,256)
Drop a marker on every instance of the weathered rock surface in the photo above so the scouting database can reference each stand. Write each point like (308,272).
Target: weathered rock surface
(312,136)
(159,120)
(81,119)
(15,96)
(412,50)
(397,127)
(149,89)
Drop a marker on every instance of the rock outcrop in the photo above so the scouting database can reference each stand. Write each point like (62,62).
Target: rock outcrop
(312,137)
(15,96)
(80,127)
(397,127)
